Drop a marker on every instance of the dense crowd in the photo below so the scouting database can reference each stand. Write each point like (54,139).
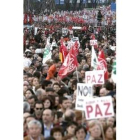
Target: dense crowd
(48,100)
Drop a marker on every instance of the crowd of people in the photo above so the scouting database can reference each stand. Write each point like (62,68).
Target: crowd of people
(48,100)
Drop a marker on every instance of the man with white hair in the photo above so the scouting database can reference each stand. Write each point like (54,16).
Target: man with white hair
(34,131)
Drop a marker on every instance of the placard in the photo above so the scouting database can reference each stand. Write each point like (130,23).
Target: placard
(84,91)
(95,77)
(101,107)
(93,42)
(64,31)
(74,39)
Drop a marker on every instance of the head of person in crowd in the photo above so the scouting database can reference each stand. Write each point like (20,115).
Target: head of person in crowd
(110,88)
(95,129)
(82,71)
(26,114)
(83,61)
(69,115)
(109,133)
(25,77)
(80,51)
(26,106)
(30,80)
(80,132)
(57,63)
(46,84)
(66,80)
(37,74)
(88,55)
(88,61)
(63,101)
(31,70)
(32,48)
(48,103)
(50,91)
(87,50)
(31,100)
(102,92)
(38,110)
(63,92)
(44,70)
(74,84)
(48,117)
(35,81)
(75,73)
(110,121)
(36,64)
(56,87)
(71,128)
(25,87)
(29,118)
(40,94)
(57,133)
(60,118)
(78,117)
(49,63)
(70,105)
(34,129)
(29,92)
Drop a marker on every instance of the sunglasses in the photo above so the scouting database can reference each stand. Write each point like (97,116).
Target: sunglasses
(39,108)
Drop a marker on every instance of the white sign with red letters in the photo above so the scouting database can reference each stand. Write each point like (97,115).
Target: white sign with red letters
(94,77)
(100,107)
(93,42)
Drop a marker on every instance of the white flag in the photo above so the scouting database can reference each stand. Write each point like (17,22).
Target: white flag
(94,60)
(47,54)
(113,75)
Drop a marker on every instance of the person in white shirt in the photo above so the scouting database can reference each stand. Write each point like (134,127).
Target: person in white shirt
(27,60)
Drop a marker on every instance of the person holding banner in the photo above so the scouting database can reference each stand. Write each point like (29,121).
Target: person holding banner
(53,69)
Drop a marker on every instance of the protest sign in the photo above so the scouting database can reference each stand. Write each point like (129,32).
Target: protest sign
(93,42)
(64,31)
(96,108)
(94,77)
(74,39)
(76,28)
(83,91)
(78,1)
(62,2)
(35,32)
(113,6)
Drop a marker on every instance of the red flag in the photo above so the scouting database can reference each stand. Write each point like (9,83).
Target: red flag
(75,48)
(69,65)
(30,19)
(92,36)
(25,18)
(102,64)
(62,52)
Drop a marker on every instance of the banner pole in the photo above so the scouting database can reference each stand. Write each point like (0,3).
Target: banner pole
(77,75)
(102,131)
